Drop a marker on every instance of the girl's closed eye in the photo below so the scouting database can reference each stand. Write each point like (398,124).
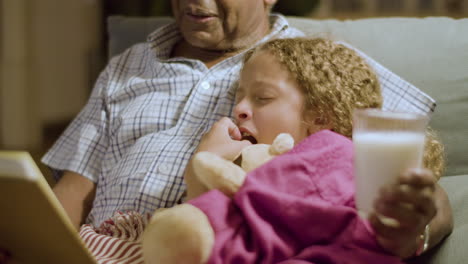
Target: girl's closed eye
(264,97)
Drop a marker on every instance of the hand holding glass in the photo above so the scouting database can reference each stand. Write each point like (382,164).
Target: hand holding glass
(385,145)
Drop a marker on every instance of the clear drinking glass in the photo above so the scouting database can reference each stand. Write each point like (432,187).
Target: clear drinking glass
(385,144)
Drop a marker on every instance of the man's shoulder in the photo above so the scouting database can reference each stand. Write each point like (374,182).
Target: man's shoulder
(134,53)
(280,28)
(292,32)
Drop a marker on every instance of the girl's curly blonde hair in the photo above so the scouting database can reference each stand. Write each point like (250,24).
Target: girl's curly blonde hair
(335,80)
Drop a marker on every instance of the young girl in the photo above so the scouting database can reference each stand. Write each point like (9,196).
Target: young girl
(301,206)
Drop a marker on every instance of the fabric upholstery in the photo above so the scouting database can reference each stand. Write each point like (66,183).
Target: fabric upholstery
(453,249)
(126,31)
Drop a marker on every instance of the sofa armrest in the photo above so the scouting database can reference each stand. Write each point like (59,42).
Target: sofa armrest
(454,248)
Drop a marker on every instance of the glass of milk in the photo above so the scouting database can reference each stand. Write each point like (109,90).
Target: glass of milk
(385,145)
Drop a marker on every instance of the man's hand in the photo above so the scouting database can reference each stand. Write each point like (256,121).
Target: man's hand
(411,202)
(224,139)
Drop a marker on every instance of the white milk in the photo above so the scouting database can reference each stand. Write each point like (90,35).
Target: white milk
(379,158)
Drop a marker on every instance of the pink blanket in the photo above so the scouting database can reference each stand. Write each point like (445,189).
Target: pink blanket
(297,208)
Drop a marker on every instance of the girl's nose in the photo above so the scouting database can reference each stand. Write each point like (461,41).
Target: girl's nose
(242,112)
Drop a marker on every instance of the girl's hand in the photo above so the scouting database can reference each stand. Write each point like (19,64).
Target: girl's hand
(224,139)
(411,202)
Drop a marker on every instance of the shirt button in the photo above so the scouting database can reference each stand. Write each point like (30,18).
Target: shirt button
(164,168)
(205,85)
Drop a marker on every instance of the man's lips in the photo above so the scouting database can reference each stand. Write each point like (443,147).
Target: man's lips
(199,14)
(199,18)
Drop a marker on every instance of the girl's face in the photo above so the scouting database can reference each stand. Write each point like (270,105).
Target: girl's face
(269,102)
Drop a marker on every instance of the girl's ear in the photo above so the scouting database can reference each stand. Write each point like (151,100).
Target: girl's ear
(322,121)
(316,123)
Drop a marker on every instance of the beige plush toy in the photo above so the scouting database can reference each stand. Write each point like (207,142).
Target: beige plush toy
(183,234)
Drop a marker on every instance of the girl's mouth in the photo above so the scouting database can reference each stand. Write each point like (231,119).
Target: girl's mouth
(247,136)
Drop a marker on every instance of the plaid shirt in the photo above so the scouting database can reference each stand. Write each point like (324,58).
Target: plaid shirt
(147,113)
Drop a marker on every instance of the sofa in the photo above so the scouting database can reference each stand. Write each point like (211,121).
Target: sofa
(431,53)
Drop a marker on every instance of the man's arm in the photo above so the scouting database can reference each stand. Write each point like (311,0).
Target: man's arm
(76,194)
(442,223)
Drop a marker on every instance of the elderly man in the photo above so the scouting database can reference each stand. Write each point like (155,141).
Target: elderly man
(128,147)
